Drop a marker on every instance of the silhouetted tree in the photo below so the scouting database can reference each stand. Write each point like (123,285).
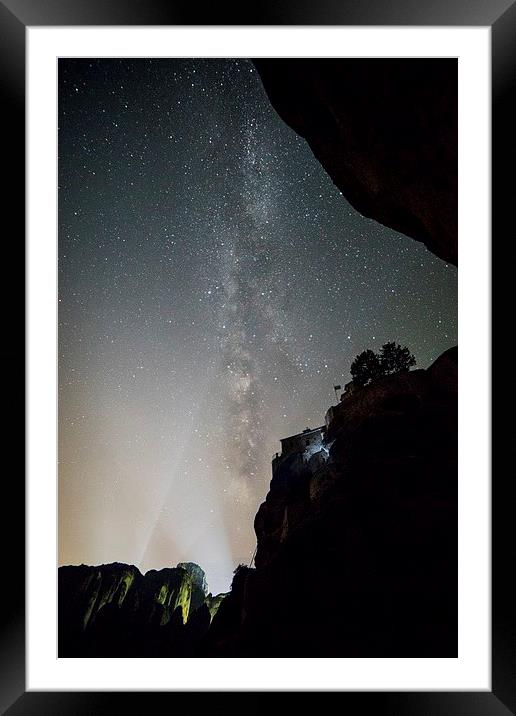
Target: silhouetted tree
(369,366)
(395,359)
(365,368)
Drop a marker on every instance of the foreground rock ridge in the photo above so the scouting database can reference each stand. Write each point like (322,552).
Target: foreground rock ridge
(114,610)
(386,133)
(356,548)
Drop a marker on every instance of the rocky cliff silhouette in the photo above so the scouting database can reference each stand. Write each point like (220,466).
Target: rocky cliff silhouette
(357,552)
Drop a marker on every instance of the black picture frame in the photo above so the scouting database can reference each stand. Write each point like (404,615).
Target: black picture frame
(15,16)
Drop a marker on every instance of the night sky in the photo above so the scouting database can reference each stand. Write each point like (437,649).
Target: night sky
(213,286)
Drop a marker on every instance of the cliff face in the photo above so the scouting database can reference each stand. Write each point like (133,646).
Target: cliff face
(357,548)
(386,133)
(114,610)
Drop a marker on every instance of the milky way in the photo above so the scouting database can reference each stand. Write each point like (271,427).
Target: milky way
(213,286)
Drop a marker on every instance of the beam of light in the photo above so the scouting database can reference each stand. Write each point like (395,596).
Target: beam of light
(202,537)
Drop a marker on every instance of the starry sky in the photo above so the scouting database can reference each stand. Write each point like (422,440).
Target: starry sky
(214,285)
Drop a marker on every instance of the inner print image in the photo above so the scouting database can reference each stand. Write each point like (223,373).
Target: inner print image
(257,357)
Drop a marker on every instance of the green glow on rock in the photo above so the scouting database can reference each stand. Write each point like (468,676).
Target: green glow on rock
(184,596)
(127,581)
(163,592)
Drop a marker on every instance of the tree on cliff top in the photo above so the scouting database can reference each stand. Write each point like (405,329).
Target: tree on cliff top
(368,366)
(365,368)
(395,358)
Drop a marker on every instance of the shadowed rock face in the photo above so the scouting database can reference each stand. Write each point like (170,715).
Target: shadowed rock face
(386,133)
(114,610)
(357,554)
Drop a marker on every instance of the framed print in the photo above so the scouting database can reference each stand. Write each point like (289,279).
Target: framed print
(254,243)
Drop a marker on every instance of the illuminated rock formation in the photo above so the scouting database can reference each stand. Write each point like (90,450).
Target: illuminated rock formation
(114,610)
